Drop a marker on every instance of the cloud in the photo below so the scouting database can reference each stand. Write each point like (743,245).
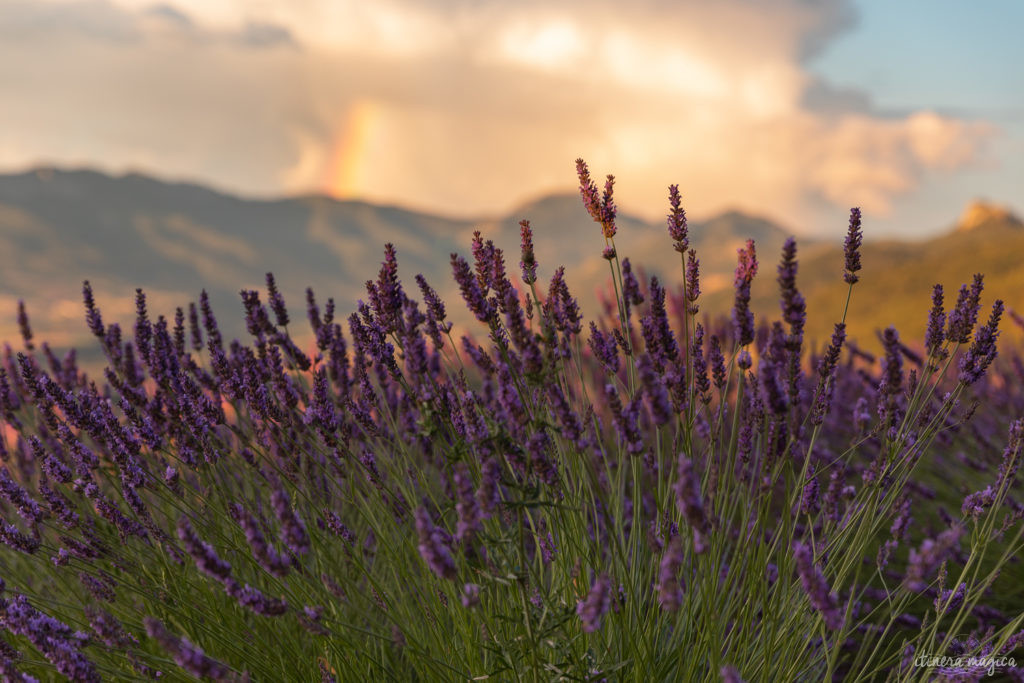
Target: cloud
(469,107)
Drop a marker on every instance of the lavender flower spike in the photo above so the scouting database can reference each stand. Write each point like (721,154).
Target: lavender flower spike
(854,237)
(529,261)
(677,220)
(54,639)
(983,351)
(688,498)
(27,506)
(742,316)
(26,330)
(934,336)
(187,655)
(595,606)
(202,552)
(292,527)
(433,548)
(670,590)
(601,208)
(816,587)
(730,675)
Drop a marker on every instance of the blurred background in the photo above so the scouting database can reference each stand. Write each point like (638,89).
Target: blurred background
(197,144)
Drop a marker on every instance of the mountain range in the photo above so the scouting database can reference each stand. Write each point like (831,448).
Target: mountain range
(60,227)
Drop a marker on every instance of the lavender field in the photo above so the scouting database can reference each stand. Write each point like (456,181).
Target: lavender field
(667,493)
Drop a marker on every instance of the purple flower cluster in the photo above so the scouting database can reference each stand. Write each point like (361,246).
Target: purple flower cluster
(854,238)
(189,657)
(433,546)
(600,206)
(816,587)
(61,645)
(511,454)
(742,316)
(591,610)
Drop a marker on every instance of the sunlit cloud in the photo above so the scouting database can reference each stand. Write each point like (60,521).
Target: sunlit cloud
(468,108)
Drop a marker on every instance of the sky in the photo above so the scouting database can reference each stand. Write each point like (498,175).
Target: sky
(793,109)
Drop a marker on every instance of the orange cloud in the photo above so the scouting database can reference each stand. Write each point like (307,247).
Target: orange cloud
(467,108)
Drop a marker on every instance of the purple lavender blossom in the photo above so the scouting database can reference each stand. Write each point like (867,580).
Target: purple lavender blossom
(268,558)
(692,282)
(470,595)
(631,294)
(293,529)
(816,587)
(717,362)
(528,264)
(948,599)
(729,674)
(23,326)
(902,521)
(928,556)
(983,351)
(92,314)
(433,548)
(794,308)
(625,419)
(699,365)
(539,447)
(810,496)
(561,307)
(1011,454)
(976,503)
(826,375)
(670,584)
(892,377)
(386,295)
(964,315)
(27,506)
(99,589)
(187,655)
(677,220)
(605,348)
(488,494)
(205,556)
(658,335)
(109,629)
(255,600)
(592,609)
(470,287)
(742,316)
(601,208)
(466,506)
(276,302)
(654,390)
(934,335)
(54,639)
(195,331)
(854,237)
(688,496)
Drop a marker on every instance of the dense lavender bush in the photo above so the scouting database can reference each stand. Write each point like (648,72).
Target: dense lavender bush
(652,496)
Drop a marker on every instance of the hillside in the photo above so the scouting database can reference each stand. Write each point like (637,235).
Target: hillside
(60,227)
(896,281)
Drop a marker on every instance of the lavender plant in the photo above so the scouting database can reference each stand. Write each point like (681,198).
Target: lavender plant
(671,498)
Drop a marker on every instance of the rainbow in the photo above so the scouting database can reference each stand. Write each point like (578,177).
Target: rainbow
(345,176)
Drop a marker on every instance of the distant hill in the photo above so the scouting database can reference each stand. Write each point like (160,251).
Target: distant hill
(897,278)
(982,215)
(60,227)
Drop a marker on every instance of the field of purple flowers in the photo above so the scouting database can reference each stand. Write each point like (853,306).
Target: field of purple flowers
(664,494)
